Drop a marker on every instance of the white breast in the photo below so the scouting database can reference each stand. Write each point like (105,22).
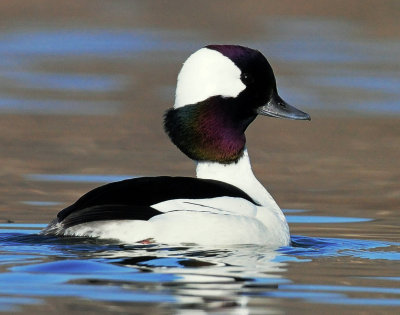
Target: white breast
(240,175)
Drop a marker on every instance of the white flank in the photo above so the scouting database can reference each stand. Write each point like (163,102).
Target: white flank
(179,227)
(218,205)
(207,73)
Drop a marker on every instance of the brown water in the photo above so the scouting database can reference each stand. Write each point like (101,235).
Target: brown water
(83,87)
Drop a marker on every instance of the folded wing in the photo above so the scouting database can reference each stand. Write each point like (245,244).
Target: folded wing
(146,197)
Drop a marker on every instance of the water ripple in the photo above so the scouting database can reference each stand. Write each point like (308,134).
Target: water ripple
(100,270)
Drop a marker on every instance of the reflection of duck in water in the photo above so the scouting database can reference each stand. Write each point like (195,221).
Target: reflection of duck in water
(221,89)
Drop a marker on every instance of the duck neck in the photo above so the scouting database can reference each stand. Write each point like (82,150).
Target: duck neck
(238,174)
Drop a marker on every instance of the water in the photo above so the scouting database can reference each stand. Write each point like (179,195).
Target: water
(37,269)
(83,88)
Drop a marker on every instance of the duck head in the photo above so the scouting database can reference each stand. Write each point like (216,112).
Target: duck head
(220,90)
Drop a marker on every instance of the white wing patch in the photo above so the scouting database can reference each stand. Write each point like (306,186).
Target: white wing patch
(207,73)
(218,205)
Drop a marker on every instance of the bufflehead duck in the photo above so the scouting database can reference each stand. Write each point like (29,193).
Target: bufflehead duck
(220,90)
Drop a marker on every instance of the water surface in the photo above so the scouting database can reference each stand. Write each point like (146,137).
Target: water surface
(37,269)
(83,88)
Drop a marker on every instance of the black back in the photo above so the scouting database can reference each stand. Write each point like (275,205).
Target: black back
(132,199)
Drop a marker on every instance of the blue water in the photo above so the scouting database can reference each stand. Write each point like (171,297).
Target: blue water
(93,43)
(67,82)
(56,107)
(35,268)
(321,64)
(330,67)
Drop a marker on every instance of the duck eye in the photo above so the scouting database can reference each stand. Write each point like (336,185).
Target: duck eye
(247,78)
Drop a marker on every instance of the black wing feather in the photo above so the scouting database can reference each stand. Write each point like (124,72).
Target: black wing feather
(105,212)
(132,198)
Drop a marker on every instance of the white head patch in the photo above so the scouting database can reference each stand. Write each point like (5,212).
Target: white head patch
(204,74)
